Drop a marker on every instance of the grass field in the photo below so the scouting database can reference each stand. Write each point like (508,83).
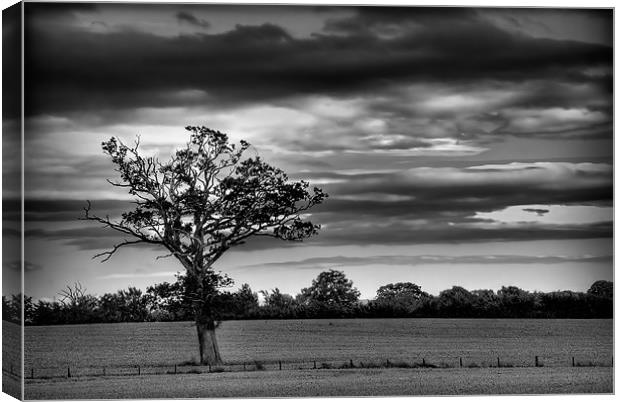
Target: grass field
(358,382)
(89,348)
(11,359)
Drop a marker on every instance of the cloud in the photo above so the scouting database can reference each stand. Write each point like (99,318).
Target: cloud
(28,266)
(537,211)
(413,260)
(189,18)
(137,275)
(251,63)
(474,202)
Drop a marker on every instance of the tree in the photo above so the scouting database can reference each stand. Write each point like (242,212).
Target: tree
(77,306)
(246,302)
(601,299)
(279,305)
(455,302)
(485,303)
(167,302)
(331,293)
(207,198)
(401,298)
(124,306)
(515,302)
(602,288)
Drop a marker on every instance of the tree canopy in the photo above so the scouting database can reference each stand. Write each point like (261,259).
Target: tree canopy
(210,196)
(331,291)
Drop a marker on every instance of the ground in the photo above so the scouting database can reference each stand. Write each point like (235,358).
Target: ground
(342,382)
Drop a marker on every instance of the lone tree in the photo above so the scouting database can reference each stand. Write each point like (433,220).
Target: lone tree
(207,198)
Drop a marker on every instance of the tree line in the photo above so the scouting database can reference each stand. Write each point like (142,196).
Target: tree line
(331,295)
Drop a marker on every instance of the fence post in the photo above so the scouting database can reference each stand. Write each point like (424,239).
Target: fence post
(573,361)
(351,363)
(315,364)
(32,373)
(536,360)
(104,371)
(175,369)
(460,362)
(68,372)
(387,363)
(280,364)
(498,365)
(243,366)
(209,368)
(138,369)
(423,362)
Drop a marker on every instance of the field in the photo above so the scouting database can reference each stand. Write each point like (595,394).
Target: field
(356,382)
(11,359)
(157,347)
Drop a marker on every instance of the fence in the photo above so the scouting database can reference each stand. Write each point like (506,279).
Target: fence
(71,371)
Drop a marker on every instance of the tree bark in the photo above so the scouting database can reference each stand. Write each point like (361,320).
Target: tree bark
(207,343)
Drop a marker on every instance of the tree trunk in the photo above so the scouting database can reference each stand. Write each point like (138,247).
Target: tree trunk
(209,351)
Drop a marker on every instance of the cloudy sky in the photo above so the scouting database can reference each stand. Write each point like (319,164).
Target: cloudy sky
(458,146)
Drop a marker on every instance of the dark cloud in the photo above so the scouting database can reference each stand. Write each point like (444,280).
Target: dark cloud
(191,19)
(70,210)
(409,260)
(539,212)
(28,266)
(420,205)
(435,192)
(265,62)
(400,234)
(11,62)
(59,9)
(386,20)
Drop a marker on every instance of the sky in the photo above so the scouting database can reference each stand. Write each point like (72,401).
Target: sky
(458,146)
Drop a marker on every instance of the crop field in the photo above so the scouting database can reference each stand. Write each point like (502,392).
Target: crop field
(297,344)
(356,382)
(11,359)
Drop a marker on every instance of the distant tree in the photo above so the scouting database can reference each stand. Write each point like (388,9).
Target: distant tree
(279,305)
(110,308)
(601,299)
(208,198)
(485,303)
(135,304)
(77,306)
(12,309)
(331,293)
(402,298)
(28,310)
(602,288)
(245,302)
(564,304)
(515,302)
(48,313)
(455,302)
(167,302)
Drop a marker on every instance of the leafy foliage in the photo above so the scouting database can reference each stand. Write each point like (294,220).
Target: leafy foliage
(402,298)
(602,288)
(168,302)
(331,293)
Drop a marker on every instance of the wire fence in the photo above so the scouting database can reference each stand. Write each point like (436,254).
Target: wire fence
(440,362)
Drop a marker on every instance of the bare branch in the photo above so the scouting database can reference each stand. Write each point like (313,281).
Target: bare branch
(110,253)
